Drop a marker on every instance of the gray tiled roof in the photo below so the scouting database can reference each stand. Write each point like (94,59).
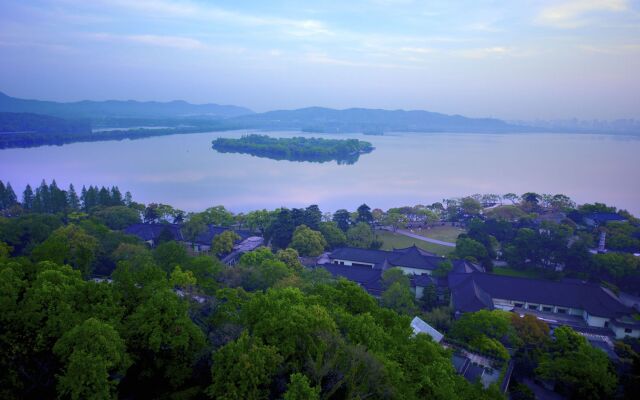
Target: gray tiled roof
(469,293)
(412,257)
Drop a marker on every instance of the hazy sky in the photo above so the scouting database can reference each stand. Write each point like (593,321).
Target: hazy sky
(512,59)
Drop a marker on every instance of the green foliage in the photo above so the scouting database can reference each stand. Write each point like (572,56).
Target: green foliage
(579,370)
(223,243)
(393,275)
(467,248)
(118,217)
(169,254)
(300,389)
(290,258)
(360,235)
(92,353)
(243,369)
(399,298)
(69,245)
(295,149)
(164,339)
(308,242)
(333,235)
(444,267)
(182,279)
(484,330)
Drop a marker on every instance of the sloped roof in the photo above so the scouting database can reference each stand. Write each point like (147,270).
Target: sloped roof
(420,326)
(152,231)
(469,291)
(411,257)
(600,217)
(368,278)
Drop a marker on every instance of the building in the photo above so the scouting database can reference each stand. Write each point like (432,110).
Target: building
(583,306)
(420,326)
(153,233)
(599,218)
(412,260)
(365,267)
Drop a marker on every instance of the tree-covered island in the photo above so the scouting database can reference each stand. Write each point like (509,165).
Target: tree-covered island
(344,151)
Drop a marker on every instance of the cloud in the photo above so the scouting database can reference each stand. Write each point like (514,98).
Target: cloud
(205,12)
(618,49)
(167,41)
(484,52)
(575,13)
(178,42)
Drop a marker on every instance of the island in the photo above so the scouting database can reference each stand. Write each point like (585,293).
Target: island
(343,151)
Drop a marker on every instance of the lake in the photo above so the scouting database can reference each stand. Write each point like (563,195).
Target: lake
(404,169)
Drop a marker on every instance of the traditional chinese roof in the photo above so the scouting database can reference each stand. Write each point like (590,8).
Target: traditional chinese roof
(474,291)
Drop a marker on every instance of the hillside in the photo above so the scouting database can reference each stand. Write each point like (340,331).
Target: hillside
(119,109)
(372,121)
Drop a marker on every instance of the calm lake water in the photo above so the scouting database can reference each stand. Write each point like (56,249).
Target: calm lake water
(404,169)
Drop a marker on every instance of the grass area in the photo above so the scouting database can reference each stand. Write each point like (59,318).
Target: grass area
(444,233)
(520,273)
(391,240)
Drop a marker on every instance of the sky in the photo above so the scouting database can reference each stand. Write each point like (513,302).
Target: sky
(512,59)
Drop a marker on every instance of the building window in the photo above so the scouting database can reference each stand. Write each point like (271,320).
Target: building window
(532,307)
(518,305)
(547,309)
(562,311)
(606,324)
(627,330)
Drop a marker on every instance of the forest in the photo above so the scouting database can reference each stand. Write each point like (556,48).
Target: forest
(90,312)
(345,151)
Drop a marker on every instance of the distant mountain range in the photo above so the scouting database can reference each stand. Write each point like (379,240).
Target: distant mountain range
(22,122)
(370,121)
(119,109)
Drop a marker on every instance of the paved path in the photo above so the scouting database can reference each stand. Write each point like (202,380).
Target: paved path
(425,239)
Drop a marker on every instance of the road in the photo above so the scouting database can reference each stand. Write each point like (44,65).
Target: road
(425,239)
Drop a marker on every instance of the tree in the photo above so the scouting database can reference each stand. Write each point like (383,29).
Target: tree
(163,338)
(512,197)
(169,254)
(182,279)
(530,201)
(291,258)
(470,206)
(72,198)
(579,370)
(259,220)
(69,245)
(243,369)
(307,241)
(395,220)
(193,228)
(300,389)
(218,216)
(364,214)
(360,235)
(151,214)
(118,217)
(334,236)
(27,198)
(93,353)
(342,218)
(469,248)
(399,298)
(224,242)
(312,217)
(281,229)
(393,275)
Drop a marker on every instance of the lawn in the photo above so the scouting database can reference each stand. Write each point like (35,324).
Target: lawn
(444,233)
(520,273)
(392,240)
